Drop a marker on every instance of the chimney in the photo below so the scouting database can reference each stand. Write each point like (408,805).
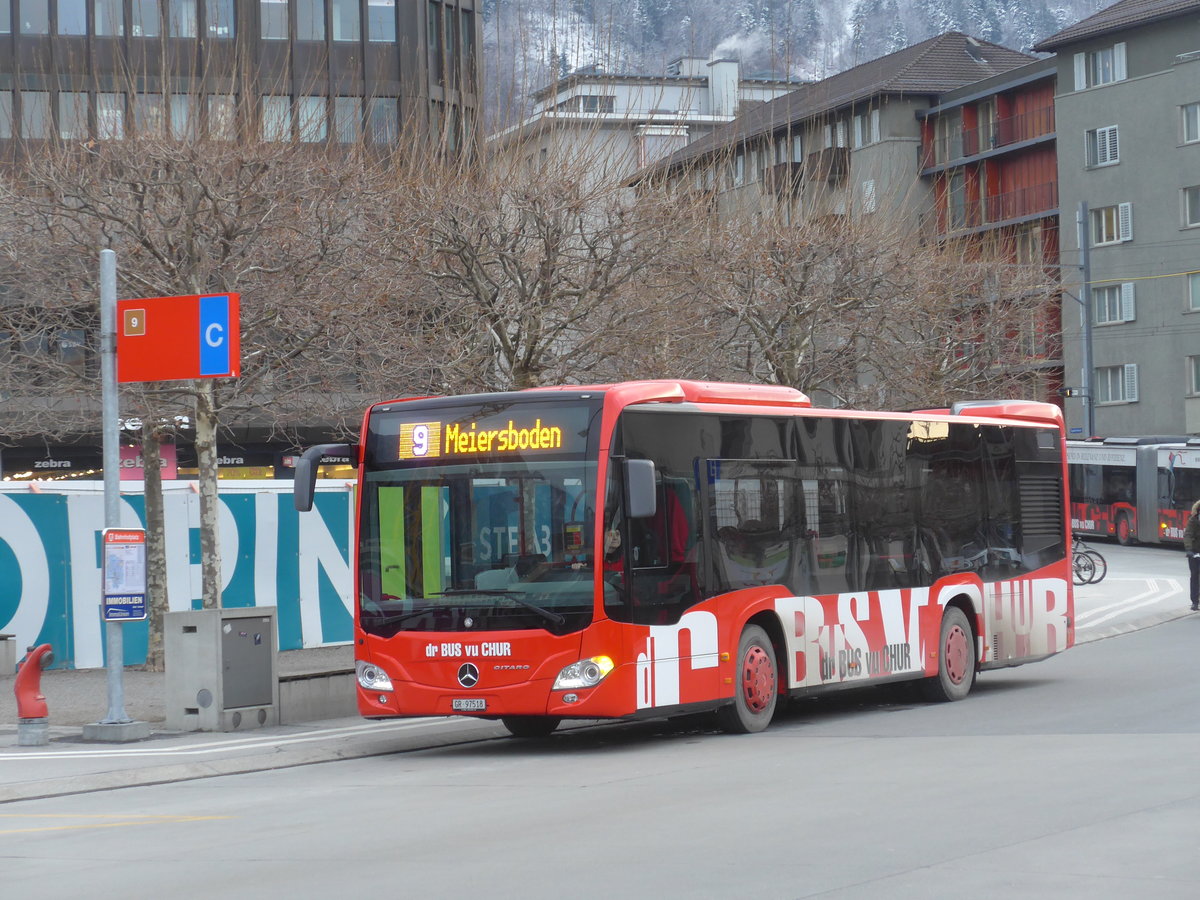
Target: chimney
(723,78)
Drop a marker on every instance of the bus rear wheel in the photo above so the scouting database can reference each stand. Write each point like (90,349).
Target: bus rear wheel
(956,659)
(1125,531)
(756,685)
(530,726)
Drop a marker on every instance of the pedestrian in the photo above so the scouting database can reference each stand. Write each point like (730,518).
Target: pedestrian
(1191,543)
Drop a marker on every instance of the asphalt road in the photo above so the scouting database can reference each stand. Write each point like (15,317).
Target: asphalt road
(1073,777)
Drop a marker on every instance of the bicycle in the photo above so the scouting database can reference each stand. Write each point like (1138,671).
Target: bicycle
(1088,566)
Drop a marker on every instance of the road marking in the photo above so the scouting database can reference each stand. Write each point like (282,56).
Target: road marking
(265,741)
(127,821)
(1129,604)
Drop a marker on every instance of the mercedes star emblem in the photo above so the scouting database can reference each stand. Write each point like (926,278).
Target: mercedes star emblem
(468,675)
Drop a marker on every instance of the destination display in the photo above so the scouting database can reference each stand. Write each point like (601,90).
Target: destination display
(515,431)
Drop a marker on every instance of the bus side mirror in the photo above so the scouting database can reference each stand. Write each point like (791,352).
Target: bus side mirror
(641,493)
(305,484)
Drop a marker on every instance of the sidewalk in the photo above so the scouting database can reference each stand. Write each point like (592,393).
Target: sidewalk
(70,765)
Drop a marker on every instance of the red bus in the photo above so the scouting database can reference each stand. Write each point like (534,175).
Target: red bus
(664,547)
(1134,489)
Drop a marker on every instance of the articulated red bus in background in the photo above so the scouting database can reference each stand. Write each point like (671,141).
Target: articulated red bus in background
(1134,489)
(652,548)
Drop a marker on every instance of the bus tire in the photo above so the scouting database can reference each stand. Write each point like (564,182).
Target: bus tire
(756,685)
(956,659)
(1125,535)
(530,726)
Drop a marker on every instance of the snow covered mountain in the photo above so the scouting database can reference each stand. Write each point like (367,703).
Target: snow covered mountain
(530,42)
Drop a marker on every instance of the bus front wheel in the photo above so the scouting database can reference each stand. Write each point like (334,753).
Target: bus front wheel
(956,659)
(530,726)
(756,685)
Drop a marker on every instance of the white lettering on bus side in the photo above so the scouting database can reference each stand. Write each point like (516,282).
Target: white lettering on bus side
(660,667)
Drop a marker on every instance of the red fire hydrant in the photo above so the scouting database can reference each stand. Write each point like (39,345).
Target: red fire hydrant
(32,714)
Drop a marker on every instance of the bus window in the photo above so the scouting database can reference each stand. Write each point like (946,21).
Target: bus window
(756,516)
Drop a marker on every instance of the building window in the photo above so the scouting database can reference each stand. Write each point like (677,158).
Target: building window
(35,115)
(181,18)
(72,115)
(1191,122)
(110,18)
(1099,67)
(110,117)
(797,149)
(273,20)
(1193,287)
(185,125)
(383,120)
(347,120)
(5,19)
(596,104)
(1103,147)
(146,21)
(468,49)
(437,59)
(310,20)
(310,115)
(222,117)
(218,18)
(72,16)
(346,26)
(1191,206)
(956,200)
(1194,374)
(148,115)
(1117,384)
(6,108)
(1114,303)
(35,16)
(381,20)
(866,128)
(1112,224)
(276,118)
(986,128)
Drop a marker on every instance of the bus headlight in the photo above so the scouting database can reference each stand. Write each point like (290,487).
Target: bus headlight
(371,677)
(586,673)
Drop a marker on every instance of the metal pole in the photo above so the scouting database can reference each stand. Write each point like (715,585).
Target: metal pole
(114,636)
(1085,296)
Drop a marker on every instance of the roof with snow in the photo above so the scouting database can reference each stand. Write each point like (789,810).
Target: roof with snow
(934,66)
(1119,16)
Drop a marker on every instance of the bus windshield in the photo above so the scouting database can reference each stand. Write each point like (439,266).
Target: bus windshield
(468,536)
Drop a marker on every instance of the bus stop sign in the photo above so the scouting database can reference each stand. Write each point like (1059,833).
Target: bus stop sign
(178,338)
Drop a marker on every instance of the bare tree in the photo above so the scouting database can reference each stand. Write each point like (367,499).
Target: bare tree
(543,275)
(279,223)
(858,311)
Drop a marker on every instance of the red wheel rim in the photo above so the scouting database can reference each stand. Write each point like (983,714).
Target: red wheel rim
(957,656)
(1123,529)
(758,679)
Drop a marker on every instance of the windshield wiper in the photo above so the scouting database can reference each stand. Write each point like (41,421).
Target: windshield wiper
(400,618)
(515,596)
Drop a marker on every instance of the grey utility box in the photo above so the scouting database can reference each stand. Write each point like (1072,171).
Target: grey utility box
(221,669)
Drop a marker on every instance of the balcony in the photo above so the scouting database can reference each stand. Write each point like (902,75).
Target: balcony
(967,142)
(1039,199)
(831,165)
(784,179)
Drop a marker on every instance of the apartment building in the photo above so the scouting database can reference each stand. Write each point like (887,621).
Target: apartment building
(312,70)
(1128,117)
(616,123)
(989,150)
(848,144)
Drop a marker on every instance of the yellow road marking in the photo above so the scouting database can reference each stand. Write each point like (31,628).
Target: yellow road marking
(127,821)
